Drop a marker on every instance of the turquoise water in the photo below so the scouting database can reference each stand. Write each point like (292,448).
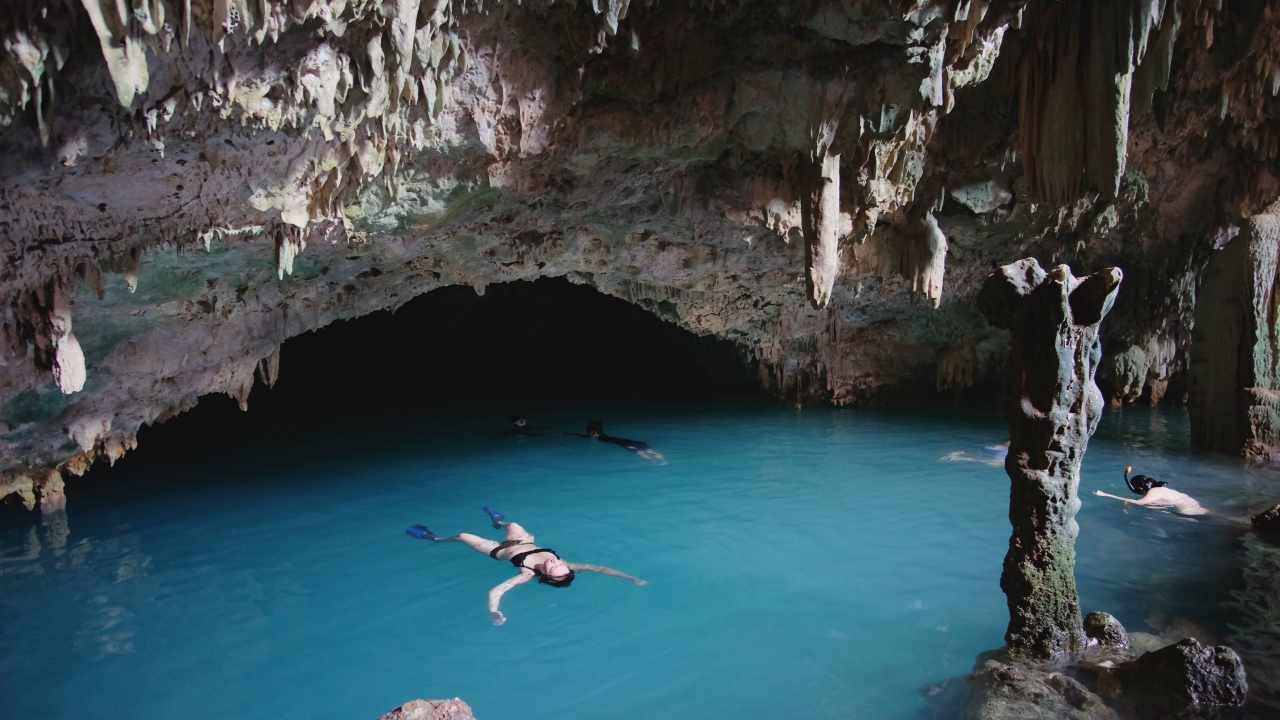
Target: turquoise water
(817,563)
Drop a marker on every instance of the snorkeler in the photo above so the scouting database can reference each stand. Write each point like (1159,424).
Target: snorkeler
(520,426)
(995,456)
(533,562)
(1155,494)
(1141,484)
(595,431)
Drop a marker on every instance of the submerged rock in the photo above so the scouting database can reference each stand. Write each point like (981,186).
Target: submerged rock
(1184,680)
(1014,691)
(1267,522)
(454,709)
(1105,630)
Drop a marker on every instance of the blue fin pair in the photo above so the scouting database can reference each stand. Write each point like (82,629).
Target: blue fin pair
(421,532)
(497,519)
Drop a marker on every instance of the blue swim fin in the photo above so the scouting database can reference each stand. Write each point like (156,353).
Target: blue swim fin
(422,532)
(495,517)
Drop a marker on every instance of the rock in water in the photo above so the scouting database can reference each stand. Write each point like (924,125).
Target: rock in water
(454,709)
(1053,409)
(1018,692)
(1267,522)
(1104,629)
(1183,680)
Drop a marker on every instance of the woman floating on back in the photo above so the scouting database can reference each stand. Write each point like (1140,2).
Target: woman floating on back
(1154,493)
(531,562)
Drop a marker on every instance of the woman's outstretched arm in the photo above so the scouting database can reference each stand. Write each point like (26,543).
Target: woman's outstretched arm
(495,595)
(576,567)
(1099,493)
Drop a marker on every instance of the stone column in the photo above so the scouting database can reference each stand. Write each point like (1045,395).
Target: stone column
(1053,409)
(1235,354)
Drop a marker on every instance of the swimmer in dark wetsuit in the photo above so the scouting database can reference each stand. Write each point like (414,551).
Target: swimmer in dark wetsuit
(595,431)
(520,426)
(531,562)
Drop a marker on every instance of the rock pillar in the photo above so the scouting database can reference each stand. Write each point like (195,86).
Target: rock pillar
(1235,354)
(1053,409)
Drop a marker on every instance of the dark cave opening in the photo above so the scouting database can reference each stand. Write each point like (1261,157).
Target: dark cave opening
(519,349)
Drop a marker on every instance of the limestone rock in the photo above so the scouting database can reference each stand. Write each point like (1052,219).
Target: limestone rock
(454,709)
(982,197)
(20,485)
(1053,409)
(52,493)
(1235,359)
(1183,680)
(1013,691)
(1105,630)
(1268,521)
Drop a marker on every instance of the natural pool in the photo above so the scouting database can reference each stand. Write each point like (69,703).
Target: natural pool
(816,563)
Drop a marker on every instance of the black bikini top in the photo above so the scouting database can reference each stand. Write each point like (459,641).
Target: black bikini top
(518,558)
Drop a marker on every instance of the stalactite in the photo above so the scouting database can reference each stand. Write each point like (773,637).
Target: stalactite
(1076,81)
(52,493)
(122,48)
(926,259)
(957,367)
(289,244)
(42,318)
(269,369)
(820,217)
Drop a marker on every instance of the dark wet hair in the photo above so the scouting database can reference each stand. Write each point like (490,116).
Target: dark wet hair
(595,426)
(562,581)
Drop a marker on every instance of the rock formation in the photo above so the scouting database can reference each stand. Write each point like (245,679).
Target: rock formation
(1053,409)
(1013,691)
(1235,371)
(454,709)
(1267,522)
(1186,679)
(1105,630)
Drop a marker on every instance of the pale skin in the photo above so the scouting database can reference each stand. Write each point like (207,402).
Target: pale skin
(543,563)
(1163,497)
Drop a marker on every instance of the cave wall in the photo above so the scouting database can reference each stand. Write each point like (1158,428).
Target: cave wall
(825,183)
(1235,391)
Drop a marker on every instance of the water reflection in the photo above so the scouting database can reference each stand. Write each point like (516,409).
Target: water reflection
(88,585)
(1254,629)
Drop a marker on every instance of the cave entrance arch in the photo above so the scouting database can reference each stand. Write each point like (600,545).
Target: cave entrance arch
(519,348)
(518,344)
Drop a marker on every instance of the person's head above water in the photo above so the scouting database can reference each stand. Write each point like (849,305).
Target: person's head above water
(595,428)
(555,572)
(1141,484)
